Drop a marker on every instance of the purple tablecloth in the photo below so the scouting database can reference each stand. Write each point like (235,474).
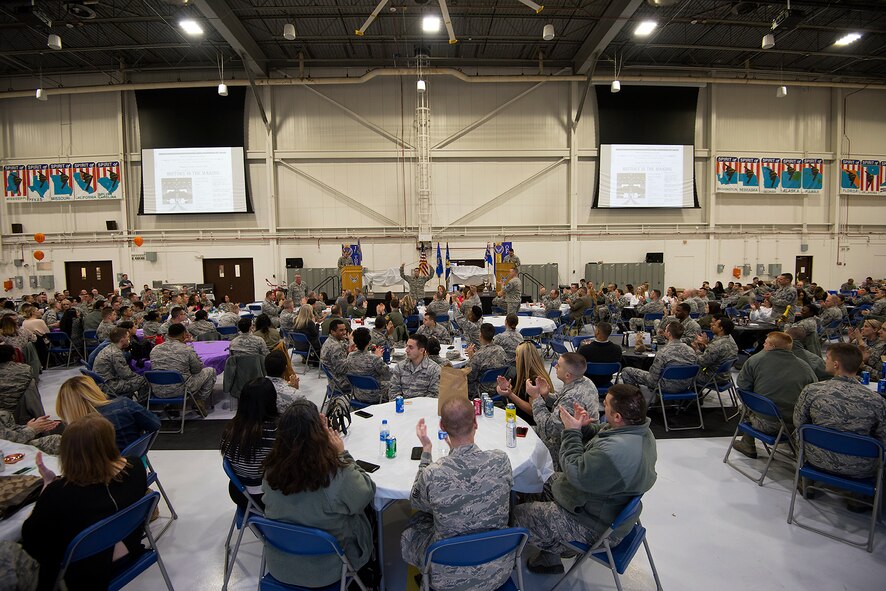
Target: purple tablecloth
(213,354)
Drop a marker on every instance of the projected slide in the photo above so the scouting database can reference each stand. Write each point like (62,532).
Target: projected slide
(194,180)
(636,176)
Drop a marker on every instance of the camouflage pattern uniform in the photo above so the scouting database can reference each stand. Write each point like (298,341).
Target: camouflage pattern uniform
(463,493)
(469,303)
(151,328)
(24,434)
(674,353)
(104,330)
(286,394)
(513,289)
(546,412)
(650,307)
(334,356)
(810,325)
(15,379)
(509,340)
(201,327)
(366,363)
(343,262)
(879,308)
(412,381)
(50,316)
(441,361)
(271,309)
(551,303)
(829,315)
(228,319)
(781,299)
(416,285)
(297,292)
(716,352)
(873,364)
(173,355)
(845,405)
(119,378)
(439,332)
(380,338)
(287,320)
(486,357)
(691,328)
(439,308)
(512,258)
(470,331)
(248,344)
(21,572)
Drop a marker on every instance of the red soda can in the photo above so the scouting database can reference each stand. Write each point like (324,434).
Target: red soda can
(478,407)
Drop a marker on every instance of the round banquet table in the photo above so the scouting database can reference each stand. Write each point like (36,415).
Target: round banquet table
(213,354)
(546,324)
(539,309)
(11,527)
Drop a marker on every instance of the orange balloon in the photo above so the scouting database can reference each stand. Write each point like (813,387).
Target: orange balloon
(138,240)
(38,254)
(39,237)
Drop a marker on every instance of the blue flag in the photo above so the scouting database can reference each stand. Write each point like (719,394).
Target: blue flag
(488,257)
(439,261)
(357,253)
(448,270)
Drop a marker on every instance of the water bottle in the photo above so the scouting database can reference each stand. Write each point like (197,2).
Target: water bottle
(511,433)
(383,434)
(442,446)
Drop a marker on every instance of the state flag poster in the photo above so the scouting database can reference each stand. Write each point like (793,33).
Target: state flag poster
(14,186)
(791,175)
(883,177)
(850,176)
(108,174)
(870,177)
(727,174)
(813,175)
(61,182)
(770,174)
(37,178)
(749,175)
(85,180)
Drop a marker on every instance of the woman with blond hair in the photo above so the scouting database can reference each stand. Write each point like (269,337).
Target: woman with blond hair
(79,397)
(530,366)
(304,323)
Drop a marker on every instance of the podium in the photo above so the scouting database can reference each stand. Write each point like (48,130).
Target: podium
(501,273)
(352,277)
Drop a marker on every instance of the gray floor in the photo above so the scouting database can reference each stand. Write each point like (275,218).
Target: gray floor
(709,527)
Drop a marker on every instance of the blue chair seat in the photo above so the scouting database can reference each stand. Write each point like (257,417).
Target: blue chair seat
(862,486)
(269,583)
(687,395)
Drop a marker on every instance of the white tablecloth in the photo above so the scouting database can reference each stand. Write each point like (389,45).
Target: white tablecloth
(546,324)
(469,275)
(539,309)
(530,460)
(11,528)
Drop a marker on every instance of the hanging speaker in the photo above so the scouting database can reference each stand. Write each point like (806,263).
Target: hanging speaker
(296,263)
(654,257)
(17,229)
(111,225)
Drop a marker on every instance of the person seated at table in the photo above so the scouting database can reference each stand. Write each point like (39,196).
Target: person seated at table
(269,306)
(363,362)
(778,375)
(433,350)
(248,438)
(485,357)
(872,355)
(675,352)
(509,339)
(96,483)
(93,316)
(470,324)
(334,354)
(287,389)
(230,315)
(246,343)
(471,299)
(201,325)
(304,324)
(530,367)
(430,328)
(79,396)
(310,480)
(711,353)
(439,306)
(175,355)
(18,389)
(395,316)
(600,350)
(408,306)
(151,325)
(808,321)
(111,365)
(465,492)
(109,319)
(815,362)
(603,466)
(711,311)
(761,312)
(265,331)
(580,305)
(382,333)
(830,311)
(34,432)
(655,305)
(416,375)
(577,389)
(334,314)
(288,315)
(691,329)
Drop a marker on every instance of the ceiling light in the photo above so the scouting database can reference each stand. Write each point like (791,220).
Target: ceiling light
(430,24)
(41,95)
(615,86)
(54,42)
(289,32)
(191,27)
(645,28)
(781,92)
(847,39)
(420,86)
(548,32)
(223,89)
(768,41)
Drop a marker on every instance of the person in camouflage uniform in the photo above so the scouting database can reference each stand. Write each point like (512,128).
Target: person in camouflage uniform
(178,315)
(382,334)
(15,379)
(513,292)
(151,326)
(20,571)
(430,328)
(440,305)
(247,343)
(174,355)
(363,362)
(119,379)
(472,299)
(830,311)
(878,308)
(487,356)
(297,289)
(334,354)
(433,350)
(691,329)
(416,375)
(653,306)
(784,296)
(551,300)
(674,352)
(815,362)
(230,315)
(470,324)
(288,315)
(809,323)
(29,433)
(509,339)
(287,390)
(416,283)
(712,353)
(345,259)
(511,258)
(872,354)
(577,389)
(201,325)
(843,404)
(109,316)
(465,492)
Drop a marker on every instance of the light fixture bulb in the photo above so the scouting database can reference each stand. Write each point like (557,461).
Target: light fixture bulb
(289,32)
(420,86)
(223,89)
(781,92)
(768,41)
(191,27)
(430,24)
(645,28)
(548,32)
(54,42)
(847,39)
(41,95)
(615,86)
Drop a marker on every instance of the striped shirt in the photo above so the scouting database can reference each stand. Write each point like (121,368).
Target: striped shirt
(251,470)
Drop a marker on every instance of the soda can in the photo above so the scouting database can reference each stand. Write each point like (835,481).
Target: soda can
(400,405)
(488,407)
(881,386)
(386,354)
(865,377)
(391,447)
(510,412)
(478,407)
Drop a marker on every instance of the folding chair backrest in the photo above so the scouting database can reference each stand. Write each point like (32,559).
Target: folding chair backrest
(59,339)
(652,316)
(759,405)
(576,341)
(499,329)
(139,447)
(227,330)
(327,372)
(294,539)
(553,314)
(631,510)
(531,332)
(442,318)
(363,382)
(841,442)
(235,480)
(679,372)
(489,376)
(559,347)
(602,369)
(91,374)
(726,365)
(476,549)
(163,377)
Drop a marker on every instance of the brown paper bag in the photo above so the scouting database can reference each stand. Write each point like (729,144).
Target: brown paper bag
(453,384)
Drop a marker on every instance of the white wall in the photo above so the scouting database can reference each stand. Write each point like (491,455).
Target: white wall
(324,156)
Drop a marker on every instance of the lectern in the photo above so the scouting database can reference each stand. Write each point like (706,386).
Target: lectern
(352,277)
(501,274)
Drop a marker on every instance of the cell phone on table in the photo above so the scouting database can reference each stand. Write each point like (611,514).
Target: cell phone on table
(416,452)
(367,466)
(522,431)
(363,414)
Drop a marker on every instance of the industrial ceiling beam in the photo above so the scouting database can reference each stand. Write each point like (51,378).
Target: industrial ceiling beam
(612,21)
(228,25)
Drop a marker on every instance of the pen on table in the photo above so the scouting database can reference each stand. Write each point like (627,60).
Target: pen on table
(24,470)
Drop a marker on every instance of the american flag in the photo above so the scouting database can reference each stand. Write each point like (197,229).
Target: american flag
(423,267)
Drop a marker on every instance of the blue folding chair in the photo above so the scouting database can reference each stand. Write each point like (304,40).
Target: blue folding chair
(59,344)
(95,351)
(90,342)
(301,344)
(228,332)
(524,313)
(679,372)
(159,377)
(366,384)
(618,557)
(558,347)
(299,541)
(477,549)
(717,383)
(649,320)
(499,329)
(850,444)
(604,369)
(413,322)
(764,408)
(239,520)
(140,448)
(531,333)
(577,341)
(254,308)
(106,533)
(832,332)
(331,389)
(91,374)
(490,376)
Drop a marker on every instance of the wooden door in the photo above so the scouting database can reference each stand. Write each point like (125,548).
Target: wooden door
(231,277)
(87,275)
(803,269)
